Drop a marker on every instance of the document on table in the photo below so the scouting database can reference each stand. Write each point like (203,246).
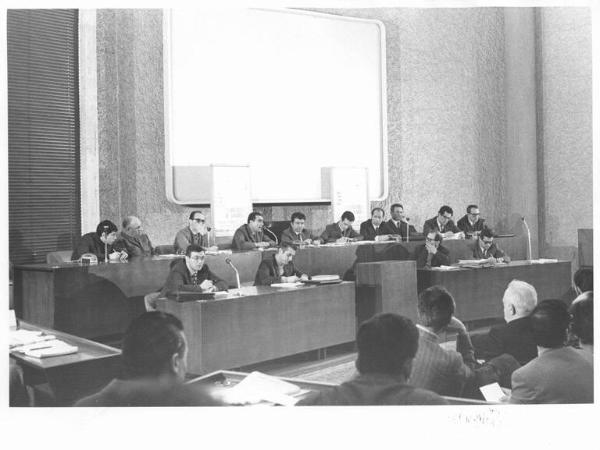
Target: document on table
(492,392)
(258,387)
(287,285)
(45,349)
(543,261)
(445,268)
(19,338)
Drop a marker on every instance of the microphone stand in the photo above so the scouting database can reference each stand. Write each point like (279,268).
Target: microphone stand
(208,229)
(237,276)
(105,234)
(528,238)
(272,234)
(407,231)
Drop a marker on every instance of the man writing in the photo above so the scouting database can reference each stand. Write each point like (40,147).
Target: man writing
(296,233)
(443,224)
(97,242)
(251,236)
(279,268)
(341,231)
(195,233)
(485,248)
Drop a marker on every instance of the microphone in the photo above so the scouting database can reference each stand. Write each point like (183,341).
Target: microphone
(208,229)
(105,227)
(272,234)
(528,238)
(237,276)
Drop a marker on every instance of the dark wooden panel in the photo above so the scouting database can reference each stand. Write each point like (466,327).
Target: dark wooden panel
(585,237)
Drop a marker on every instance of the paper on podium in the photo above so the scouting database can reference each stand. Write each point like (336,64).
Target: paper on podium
(19,338)
(471,262)
(544,261)
(46,349)
(287,285)
(492,392)
(442,267)
(258,387)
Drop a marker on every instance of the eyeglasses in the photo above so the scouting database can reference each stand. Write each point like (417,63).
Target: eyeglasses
(430,240)
(197,258)
(199,220)
(475,214)
(487,242)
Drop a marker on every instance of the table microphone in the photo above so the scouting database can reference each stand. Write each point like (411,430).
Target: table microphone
(528,238)
(105,227)
(237,276)
(208,229)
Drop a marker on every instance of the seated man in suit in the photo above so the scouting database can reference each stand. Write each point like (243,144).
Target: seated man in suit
(471,223)
(515,337)
(582,325)
(387,344)
(432,253)
(341,231)
(296,233)
(154,361)
(398,226)
(373,229)
(279,268)
(192,270)
(583,280)
(443,224)
(195,233)
(560,374)
(133,239)
(486,248)
(96,242)
(251,236)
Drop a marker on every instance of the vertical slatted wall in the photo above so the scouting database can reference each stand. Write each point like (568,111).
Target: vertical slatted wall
(43,132)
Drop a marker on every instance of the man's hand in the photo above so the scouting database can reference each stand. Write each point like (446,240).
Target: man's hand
(431,248)
(118,256)
(213,248)
(208,286)
(342,240)
(262,244)
(307,241)
(304,277)
(290,279)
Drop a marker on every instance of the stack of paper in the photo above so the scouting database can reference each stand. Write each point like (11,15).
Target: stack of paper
(442,267)
(543,261)
(287,285)
(45,349)
(18,338)
(258,387)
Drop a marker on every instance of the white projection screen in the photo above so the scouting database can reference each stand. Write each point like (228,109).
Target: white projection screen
(286,92)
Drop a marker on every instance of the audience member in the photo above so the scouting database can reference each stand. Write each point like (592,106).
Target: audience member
(296,233)
(560,374)
(387,344)
(95,243)
(251,236)
(471,223)
(583,280)
(154,361)
(432,253)
(442,223)
(195,233)
(515,337)
(373,229)
(279,268)
(192,271)
(398,226)
(582,325)
(486,248)
(133,239)
(341,231)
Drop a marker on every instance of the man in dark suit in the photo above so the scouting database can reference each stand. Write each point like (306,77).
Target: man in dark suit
(471,223)
(104,238)
(387,344)
(133,239)
(296,233)
(251,236)
(486,248)
(442,223)
(583,280)
(560,374)
(398,226)
(373,229)
(279,268)
(515,337)
(432,253)
(341,231)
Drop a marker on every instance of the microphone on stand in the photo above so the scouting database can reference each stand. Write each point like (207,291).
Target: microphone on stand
(105,243)
(528,238)
(272,234)
(407,228)
(208,235)
(237,276)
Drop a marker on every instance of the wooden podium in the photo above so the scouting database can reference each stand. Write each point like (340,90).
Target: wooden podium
(386,286)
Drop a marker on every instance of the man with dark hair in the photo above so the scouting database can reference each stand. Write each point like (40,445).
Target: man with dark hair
(486,248)
(582,325)
(471,223)
(192,271)
(559,374)
(95,243)
(251,236)
(515,337)
(432,253)
(154,362)
(387,344)
(133,239)
(195,233)
(296,233)
(584,280)
(341,231)
(398,226)
(279,268)
(442,224)
(373,229)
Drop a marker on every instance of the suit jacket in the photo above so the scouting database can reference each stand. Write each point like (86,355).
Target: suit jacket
(558,375)
(441,258)
(438,370)
(244,238)
(333,232)
(432,224)
(463,224)
(391,228)
(268,272)
(289,236)
(494,251)
(368,232)
(374,389)
(91,243)
(180,276)
(134,245)
(514,338)
(185,237)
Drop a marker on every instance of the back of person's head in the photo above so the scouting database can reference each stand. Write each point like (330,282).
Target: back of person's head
(436,307)
(522,296)
(582,311)
(584,279)
(106,226)
(194,248)
(387,343)
(550,322)
(150,343)
(348,215)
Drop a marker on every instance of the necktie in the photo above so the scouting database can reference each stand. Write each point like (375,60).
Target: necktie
(195,278)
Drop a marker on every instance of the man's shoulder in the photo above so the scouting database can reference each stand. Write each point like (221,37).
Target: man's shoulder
(463,220)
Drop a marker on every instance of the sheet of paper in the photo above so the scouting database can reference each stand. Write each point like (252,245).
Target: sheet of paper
(257,387)
(492,392)
(287,285)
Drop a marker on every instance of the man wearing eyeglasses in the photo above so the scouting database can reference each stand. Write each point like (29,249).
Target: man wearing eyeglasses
(195,233)
(432,253)
(471,223)
(485,248)
(443,224)
(192,271)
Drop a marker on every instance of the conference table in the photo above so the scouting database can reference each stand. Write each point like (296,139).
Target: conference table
(95,301)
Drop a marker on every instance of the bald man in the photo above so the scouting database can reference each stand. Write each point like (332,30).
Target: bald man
(133,239)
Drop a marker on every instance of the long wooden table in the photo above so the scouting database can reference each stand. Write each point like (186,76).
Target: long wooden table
(263,324)
(70,377)
(478,292)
